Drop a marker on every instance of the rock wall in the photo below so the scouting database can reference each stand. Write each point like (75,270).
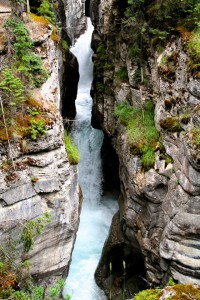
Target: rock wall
(159,208)
(42,179)
(75,18)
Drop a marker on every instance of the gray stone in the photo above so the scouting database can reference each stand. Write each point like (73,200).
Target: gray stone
(194,88)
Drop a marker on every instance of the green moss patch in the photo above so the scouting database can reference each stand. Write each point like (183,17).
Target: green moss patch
(148,295)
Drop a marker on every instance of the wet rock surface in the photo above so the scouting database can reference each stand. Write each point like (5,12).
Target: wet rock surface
(159,208)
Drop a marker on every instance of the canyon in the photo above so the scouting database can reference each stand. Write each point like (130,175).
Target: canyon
(155,233)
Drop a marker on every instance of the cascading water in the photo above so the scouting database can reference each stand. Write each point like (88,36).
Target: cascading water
(97,211)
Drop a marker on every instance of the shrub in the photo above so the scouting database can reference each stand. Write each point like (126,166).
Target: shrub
(46,10)
(32,229)
(72,151)
(27,63)
(36,129)
(12,87)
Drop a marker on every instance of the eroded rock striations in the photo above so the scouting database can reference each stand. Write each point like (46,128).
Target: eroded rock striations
(159,217)
(42,179)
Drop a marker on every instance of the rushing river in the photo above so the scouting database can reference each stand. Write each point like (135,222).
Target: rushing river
(97,210)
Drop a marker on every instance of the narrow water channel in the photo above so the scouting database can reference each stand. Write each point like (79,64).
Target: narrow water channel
(97,210)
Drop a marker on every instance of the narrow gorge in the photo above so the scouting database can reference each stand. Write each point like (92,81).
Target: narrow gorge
(123,89)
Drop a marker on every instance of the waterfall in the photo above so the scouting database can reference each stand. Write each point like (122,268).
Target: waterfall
(97,210)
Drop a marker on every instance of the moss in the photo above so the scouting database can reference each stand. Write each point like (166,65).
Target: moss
(55,37)
(148,295)
(171,124)
(178,291)
(40,19)
(185,292)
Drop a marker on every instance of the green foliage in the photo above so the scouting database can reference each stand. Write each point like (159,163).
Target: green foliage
(32,229)
(193,45)
(100,87)
(72,151)
(38,293)
(170,282)
(33,111)
(158,35)
(138,75)
(12,87)
(36,129)
(55,291)
(34,179)
(102,56)
(142,134)
(158,19)
(148,294)
(65,46)
(1,266)
(195,136)
(14,273)
(148,157)
(19,295)
(124,112)
(122,73)
(20,34)
(178,292)
(31,68)
(28,65)
(163,61)
(46,10)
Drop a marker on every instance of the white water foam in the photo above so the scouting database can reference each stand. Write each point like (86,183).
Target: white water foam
(97,211)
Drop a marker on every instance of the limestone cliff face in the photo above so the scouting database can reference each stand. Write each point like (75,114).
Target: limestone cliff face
(156,230)
(75,18)
(42,180)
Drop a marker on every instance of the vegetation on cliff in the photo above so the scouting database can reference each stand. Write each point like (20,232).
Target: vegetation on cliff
(142,134)
(22,72)
(175,292)
(72,151)
(154,22)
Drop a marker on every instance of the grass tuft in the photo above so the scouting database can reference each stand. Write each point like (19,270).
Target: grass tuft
(142,133)
(72,151)
(122,73)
